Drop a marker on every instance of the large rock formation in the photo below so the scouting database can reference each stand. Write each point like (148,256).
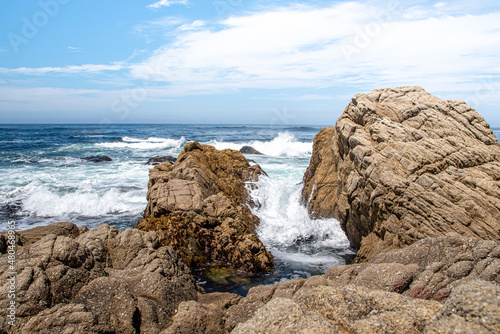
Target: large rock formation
(401,165)
(200,207)
(459,276)
(69,280)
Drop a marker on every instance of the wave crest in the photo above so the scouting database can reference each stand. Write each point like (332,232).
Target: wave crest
(285,144)
(146,144)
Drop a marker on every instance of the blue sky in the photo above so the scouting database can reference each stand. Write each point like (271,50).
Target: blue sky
(237,61)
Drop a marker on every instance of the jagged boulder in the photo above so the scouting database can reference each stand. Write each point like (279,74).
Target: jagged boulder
(94,282)
(200,207)
(401,165)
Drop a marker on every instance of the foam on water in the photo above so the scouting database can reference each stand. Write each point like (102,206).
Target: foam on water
(285,144)
(287,230)
(82,203)
(145,144)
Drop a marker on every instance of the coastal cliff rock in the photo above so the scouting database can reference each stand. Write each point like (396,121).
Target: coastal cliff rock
(401,165)
(422,288)
(200,207)
(98,281)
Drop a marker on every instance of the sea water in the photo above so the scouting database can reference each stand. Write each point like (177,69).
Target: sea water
(43,179)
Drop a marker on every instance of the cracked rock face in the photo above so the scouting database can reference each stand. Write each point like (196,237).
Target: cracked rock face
(200,207)
(98,281)
(401,165)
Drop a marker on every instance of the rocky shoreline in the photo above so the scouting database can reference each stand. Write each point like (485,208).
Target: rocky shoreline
(414,181)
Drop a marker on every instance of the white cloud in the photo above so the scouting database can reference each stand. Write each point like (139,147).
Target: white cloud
(74,69)
(351,44)
(167,3)
(75,49)
(192,26)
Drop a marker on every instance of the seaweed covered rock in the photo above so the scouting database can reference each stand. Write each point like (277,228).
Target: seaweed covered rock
(99,281)
(201,208)
(401,165)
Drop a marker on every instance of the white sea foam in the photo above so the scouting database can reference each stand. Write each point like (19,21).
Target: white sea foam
(77,194)
(285,144)
(45,203)
(287,229)
(145,144)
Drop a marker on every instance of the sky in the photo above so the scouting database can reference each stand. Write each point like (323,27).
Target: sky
(238,61)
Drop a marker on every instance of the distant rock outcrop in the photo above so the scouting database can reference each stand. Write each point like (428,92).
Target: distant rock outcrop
(98,158)
(70,280)
(200,207)
(249,150)
(158,160)
(402,165)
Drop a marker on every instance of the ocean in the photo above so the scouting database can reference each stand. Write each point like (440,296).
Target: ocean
(43,179)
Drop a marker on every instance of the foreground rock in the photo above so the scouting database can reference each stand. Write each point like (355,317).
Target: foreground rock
(158,160)
(99,281)
(402,165)
(98,158)
(368,298)
(200,207)
(249,150)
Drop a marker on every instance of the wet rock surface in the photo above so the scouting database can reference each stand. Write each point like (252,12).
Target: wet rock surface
(97,281)
(159,159)
(401,165)
(201,208)
(98,158)
(249,150)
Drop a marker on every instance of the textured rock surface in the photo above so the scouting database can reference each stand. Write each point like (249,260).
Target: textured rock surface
(98,281)
(200,207)
(369,297)
(401,165)
(471,308)
(428,269)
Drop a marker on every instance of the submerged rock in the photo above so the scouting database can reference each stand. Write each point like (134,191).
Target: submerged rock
(200,207)
(93,282)
(401,165)
(98,158)
(158,160)
(249,150)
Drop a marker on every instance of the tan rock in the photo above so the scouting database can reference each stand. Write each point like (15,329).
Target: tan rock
(375,297)
(99,281)
(471,308)
(200,207)
(401,165)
